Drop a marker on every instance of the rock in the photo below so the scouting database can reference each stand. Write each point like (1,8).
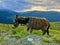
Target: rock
(31,40)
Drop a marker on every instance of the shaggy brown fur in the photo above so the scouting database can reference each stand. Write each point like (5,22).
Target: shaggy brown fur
(38,23)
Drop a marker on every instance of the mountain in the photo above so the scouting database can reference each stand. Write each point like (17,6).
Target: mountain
(52,16)
(6,16)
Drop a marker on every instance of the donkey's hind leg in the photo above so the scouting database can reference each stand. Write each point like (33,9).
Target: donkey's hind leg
(43,32)
(27,29)
(47,32)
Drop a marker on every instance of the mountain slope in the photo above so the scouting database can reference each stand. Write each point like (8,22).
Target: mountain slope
(50,15)
(6,16)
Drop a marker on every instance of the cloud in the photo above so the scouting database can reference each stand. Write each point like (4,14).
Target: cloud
(0,1)
(58,10)
(26,5)
(14,5)
(48,4)
(38,8)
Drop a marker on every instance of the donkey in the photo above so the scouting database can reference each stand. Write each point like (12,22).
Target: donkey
(33,23)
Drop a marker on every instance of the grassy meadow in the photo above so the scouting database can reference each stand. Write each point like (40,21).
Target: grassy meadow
(21,31)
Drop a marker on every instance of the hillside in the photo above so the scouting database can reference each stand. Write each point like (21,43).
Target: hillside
(7,35)
(7,16)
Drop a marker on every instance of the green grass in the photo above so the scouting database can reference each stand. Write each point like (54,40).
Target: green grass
(21,31)
(55,25)
(1,39)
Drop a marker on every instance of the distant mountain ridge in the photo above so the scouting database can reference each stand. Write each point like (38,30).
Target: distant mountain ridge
(50,15)
(7,16)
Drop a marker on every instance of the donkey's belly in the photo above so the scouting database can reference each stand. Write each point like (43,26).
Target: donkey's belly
(36,28)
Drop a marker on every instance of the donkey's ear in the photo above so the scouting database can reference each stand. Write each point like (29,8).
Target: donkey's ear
(16,16)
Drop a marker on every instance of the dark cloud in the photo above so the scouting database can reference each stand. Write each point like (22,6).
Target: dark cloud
(46,3)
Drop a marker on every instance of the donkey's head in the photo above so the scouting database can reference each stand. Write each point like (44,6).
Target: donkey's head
(16,23)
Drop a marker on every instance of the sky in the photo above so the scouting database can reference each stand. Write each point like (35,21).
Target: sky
(30,5)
